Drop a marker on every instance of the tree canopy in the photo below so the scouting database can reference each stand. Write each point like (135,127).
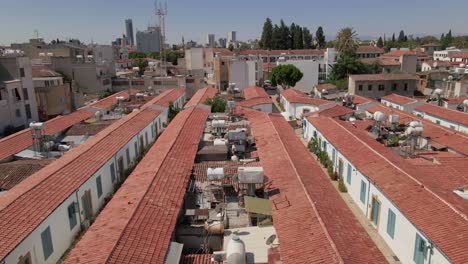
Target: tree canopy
(137,55)
(266,41)
(141,64)
(217,103)
(283,37)
(320,38)
(346,40)
(285,75)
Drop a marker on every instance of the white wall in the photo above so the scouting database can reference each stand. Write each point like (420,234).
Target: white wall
(268,108)
(58,221)
(405,232)
(443,122)
(310,71)
(407,107)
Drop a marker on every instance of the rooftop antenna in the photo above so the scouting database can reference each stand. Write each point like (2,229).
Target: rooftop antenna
(161,12)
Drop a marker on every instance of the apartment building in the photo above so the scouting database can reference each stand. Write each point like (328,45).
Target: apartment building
(400,102)
(256,98)
(376,86)
(297,103)
(18,105)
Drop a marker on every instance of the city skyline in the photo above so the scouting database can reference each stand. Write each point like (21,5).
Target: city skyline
(187,19)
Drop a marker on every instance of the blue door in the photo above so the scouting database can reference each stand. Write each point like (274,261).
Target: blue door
(419,250)
(348,176)
(375,211)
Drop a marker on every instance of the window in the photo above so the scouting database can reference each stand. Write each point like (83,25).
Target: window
(21,72)
(369,87)
(72,215)
(438,122)
(360,87)
(363,192)
(324,146)
(99,186)
(47,246)
(146,137)
(375,211)
(25,94)
(112,171)
(406,87)
(28,111)
(127,153)
(391,223)
(394,86)
(136,147)
(419,250)
(452,127)
(17,95)
(348,176)
(381,87)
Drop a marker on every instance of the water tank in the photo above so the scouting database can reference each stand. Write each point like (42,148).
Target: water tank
(462,65)
(218,123)
(36,125)
(438,91)
(234,158)
(235,251)
(394,119)
(415,124)
(379,116)
(63,148)
(120,98)
(215,173)
(214,227)
(250,174)
(465,102)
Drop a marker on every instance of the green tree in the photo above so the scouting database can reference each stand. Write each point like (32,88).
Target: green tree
(320,38)
(380,43)
(172,111)
(217,103)
(346,40)
(449,37)
(276,37)
(393,37)
(347,64)
(298,39)
(141,64)
(154,55)
(285,75)
(266,41)
(284,36)
(307,38)
(104,94)
(137,55)
(292,36)
(401,36)
(231,47)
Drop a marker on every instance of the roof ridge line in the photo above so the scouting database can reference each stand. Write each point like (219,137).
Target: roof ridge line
(404,172)
(332,244)
(149,186)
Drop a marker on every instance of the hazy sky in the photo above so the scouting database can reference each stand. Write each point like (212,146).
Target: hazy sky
(103,20)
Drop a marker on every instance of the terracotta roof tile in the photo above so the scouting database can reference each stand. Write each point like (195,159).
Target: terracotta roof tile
(14,172)
(201,96)
(279,52)
(399,99)
(445,113)
(439,215)
(111,100)
(325,86)
(369,49)
(136,226)
(169,96)
(333,111)
(456,100)
(254,92)
(42,71)
(255,101)
(196,259)
(296,96)
(313,223)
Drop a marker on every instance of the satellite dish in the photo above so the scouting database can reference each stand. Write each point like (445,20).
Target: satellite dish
(270,239)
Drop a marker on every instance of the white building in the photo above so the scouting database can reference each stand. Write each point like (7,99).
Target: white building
(60,217)
(245,73)
(444,55)
(375,178)
(452,119)
(311,70)
(296,104)
(210,40)
(18,105)
(256,98)
(401,102)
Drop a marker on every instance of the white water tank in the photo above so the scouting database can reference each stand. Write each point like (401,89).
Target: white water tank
(36,125)
(465,102)
(438,91)
(235,252)
(215,173)
(218,123)
(234,158)
(250,174)
(415,124)
(379,116)
(120,98)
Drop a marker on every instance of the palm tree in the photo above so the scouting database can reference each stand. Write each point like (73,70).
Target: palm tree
(346,39)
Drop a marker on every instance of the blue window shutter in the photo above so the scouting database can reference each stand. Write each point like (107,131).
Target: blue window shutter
(391,223)
(363,192)
(47,246)
(112,171)
(72,215)
(127,152)
(348,177)
(99,186)
(419,250)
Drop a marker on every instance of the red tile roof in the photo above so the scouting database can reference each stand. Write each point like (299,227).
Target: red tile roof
(382,61)
(439,215)
(42,71)
(397,53)
(279,52)
(444,113)
(357,99)
(369,49)
(196,259)
(299,97)
(313,223)
(398,99)
(111,100)
(22,140)
(334,111)
(136,226)
(459,55)
(255,101)
(169,96)
(383,77)
(12,173)
(456,100)
(325,86)
(15,206)
(201,96)
(254,92)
